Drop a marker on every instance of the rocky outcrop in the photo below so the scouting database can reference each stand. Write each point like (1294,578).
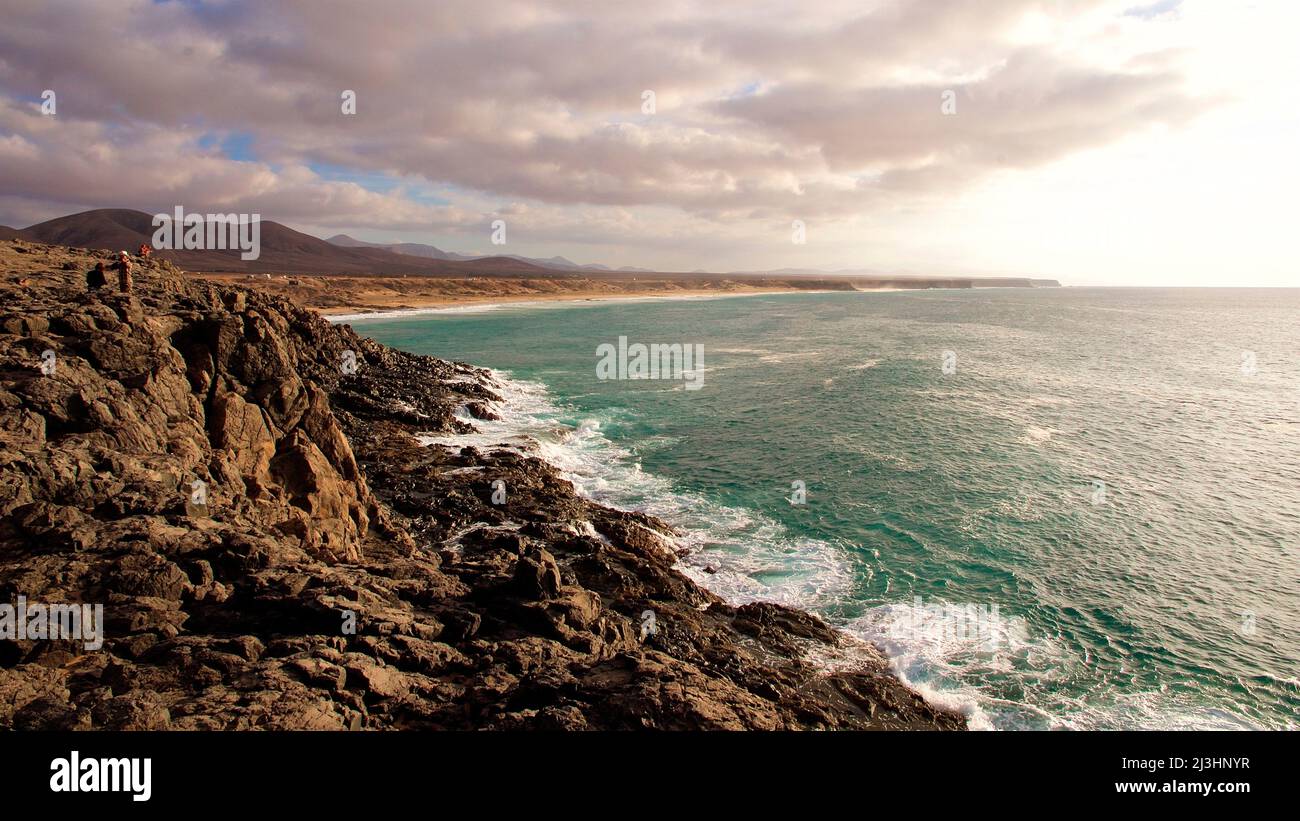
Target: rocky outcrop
(274,549)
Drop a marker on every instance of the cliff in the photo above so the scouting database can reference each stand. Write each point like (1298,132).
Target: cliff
(274,549)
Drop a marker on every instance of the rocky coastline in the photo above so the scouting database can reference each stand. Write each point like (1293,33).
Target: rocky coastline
(275,549)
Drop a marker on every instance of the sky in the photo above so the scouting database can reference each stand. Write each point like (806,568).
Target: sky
(1097,142)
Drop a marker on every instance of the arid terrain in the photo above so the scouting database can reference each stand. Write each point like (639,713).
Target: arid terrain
(358,277)
(351,295)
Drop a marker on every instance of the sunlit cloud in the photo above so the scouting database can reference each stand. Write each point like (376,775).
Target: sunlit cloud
(855,117)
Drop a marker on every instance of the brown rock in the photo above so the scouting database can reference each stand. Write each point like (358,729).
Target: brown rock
(537,576)
(340,575)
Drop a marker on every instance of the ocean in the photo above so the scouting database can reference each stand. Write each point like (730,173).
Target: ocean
(1072,508)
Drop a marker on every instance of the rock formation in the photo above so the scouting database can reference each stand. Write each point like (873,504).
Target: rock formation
(274,548)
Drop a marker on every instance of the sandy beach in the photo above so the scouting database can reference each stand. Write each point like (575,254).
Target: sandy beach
(345,296)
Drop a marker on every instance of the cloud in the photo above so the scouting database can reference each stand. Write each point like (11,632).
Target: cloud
(1155,11)
(63,165)
(763,110)
(1029,111)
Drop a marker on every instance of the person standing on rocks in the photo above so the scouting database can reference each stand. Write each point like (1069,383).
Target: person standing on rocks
(95,277)
(123,267)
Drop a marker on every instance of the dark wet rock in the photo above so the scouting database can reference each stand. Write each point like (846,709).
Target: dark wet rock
(240,485)
(537,576)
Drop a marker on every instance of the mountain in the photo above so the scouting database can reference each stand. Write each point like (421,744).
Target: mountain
(116,229)
(417,249)
(413,249)
(286,251)
(283,250)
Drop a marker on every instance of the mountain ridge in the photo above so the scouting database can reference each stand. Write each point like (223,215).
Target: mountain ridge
(420,249)
(287,251)
(283,250)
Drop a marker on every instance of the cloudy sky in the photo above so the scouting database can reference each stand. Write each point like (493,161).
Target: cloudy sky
(1100,142)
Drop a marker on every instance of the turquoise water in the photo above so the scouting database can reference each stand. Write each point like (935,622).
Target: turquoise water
(1117,471)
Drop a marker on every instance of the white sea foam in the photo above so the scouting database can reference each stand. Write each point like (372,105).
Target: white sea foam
(965,673)
(745,556)
(869,364)
(1035,435)
(781,357)
(736,553)
(739,554)
(399,313)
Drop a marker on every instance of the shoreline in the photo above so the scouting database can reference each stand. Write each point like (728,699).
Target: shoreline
(331,572)
(512,413)
(492,303)
(343,298)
